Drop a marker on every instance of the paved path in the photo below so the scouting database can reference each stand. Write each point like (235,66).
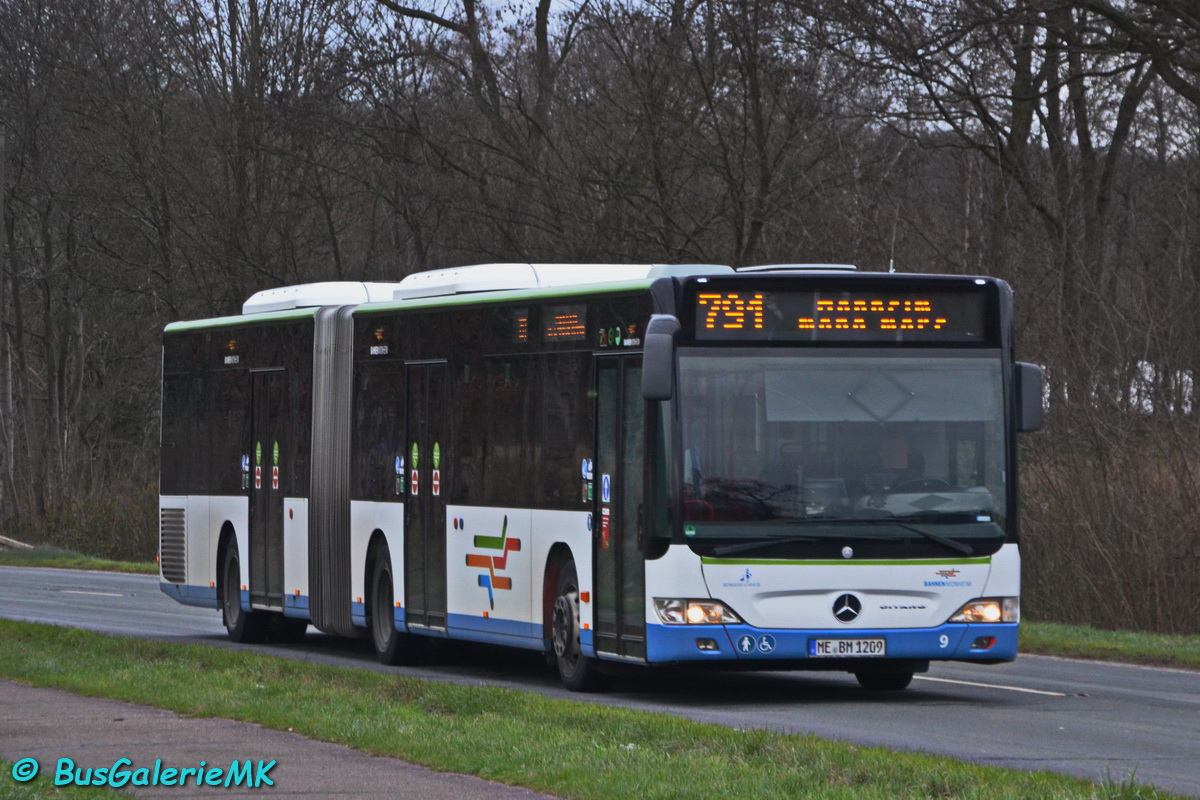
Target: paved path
(48,725)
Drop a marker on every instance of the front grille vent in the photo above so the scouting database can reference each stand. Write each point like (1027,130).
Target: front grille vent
(172,544)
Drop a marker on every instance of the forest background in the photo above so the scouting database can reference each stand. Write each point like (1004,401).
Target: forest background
(164,159)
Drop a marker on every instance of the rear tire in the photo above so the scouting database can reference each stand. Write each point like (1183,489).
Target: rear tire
(244,627)
(391,646)
(578,672)
(884,681)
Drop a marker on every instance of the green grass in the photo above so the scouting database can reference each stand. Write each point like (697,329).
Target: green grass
(68,559)
(566,748)
(41,787)
(1081,641)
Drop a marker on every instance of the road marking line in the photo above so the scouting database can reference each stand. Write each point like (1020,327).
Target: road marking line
(991,686)
(101,594)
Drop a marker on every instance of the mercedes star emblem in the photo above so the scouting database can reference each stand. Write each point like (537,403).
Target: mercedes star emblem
(847,608)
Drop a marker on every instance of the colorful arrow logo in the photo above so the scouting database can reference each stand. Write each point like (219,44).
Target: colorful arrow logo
(494,563)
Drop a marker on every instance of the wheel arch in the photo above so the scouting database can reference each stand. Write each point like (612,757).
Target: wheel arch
(559,556)
(377,542)
(225,539)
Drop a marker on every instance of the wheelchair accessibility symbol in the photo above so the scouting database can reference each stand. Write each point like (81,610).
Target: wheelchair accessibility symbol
(746,644)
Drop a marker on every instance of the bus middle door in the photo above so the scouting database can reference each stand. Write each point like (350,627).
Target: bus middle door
(620,610)
(425,509)
(266,499)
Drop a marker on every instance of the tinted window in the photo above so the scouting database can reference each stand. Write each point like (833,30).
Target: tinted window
(509,455)
(565,431)
(377,439)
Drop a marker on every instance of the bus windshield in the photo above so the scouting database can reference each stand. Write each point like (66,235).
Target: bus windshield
(837,442)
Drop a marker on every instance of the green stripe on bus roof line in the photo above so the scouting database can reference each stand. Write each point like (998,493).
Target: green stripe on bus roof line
(241,319)
(843,562)
(503,295)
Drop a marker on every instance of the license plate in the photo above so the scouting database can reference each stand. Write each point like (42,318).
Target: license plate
(847,648)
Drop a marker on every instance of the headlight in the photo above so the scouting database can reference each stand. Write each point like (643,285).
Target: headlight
(990,609)
(678,611)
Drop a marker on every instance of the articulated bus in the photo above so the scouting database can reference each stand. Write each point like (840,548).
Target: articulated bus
(776,468)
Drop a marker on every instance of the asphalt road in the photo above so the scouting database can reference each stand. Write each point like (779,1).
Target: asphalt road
(1100,721)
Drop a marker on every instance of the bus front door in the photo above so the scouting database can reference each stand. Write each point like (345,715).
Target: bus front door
(425,509)
(266,499)
(620,580)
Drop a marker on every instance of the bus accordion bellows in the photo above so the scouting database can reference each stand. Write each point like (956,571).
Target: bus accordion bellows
(777,468)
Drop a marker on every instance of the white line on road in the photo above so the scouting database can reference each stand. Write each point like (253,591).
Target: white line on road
(100,594)
(991,686)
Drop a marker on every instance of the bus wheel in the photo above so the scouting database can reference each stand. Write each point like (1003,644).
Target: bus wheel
(243,626)
(391,646)
(884,680)
(578,672)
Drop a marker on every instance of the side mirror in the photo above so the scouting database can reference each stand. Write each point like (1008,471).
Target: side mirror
(658,358)
(1029,388)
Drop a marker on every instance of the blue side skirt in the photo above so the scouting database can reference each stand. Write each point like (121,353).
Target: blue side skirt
(202,596)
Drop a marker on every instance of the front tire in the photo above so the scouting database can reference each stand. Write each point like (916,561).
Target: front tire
(244,627)
(578,672)
(391,646)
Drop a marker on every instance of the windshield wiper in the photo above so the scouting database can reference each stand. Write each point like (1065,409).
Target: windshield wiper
(965,549)
(729,549)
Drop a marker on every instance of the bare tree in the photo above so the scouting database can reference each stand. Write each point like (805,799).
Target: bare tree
(1165,31)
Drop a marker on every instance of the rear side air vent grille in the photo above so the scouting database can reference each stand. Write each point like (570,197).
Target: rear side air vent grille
(172,544)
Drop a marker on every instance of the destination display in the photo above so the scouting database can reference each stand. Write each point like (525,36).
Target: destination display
(564,323)
(747,314)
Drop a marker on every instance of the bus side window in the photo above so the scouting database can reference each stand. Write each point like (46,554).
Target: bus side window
(175,442)
(565,430)
(508,453)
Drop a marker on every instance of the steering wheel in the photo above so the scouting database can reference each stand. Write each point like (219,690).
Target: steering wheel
(921,485)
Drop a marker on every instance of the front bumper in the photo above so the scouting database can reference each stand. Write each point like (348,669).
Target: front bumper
(948,642)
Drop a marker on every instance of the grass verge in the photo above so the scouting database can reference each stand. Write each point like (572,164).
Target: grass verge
(1081,641)
(69,559)
(571,749)
(41,788)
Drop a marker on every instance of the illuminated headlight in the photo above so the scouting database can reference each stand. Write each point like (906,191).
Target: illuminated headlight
(676,611)
(990,609)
